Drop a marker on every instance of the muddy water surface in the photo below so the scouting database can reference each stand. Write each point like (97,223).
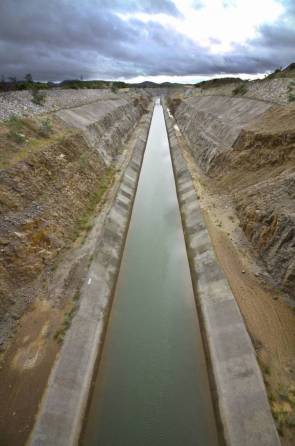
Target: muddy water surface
(152,386)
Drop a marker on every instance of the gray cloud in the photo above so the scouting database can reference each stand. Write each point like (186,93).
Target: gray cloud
(149,6)
(275,45)
(64,39)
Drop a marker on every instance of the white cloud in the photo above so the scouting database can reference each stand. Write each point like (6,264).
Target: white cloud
(217,25)
(188,79)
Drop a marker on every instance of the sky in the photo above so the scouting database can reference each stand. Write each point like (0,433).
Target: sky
(136,40)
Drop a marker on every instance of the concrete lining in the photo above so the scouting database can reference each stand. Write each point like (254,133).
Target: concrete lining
(241,396)
(60,417)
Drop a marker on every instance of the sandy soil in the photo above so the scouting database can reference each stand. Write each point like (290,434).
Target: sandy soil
(25,370)
(269,317)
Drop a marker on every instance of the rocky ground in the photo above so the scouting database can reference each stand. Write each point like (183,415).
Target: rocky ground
(20,102)
(278,91)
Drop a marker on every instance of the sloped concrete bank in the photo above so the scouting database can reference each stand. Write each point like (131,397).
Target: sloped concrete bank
(212,124)
(63,406)
(108,122)
(242,403)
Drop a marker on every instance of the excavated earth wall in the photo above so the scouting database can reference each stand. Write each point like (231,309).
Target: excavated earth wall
(49,187)
(247,147)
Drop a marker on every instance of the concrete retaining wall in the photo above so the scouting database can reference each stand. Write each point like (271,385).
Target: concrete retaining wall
(107,123)
(63,406)
(241,396)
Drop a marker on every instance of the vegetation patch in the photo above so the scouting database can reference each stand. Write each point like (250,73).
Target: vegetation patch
(20,138)
(240,90)
(45,129)
(85,223)
(173,104)
(68,317)
(38,96)
(283,410)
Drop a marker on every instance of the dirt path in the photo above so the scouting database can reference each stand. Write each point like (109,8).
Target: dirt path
(269,319)
(25,371)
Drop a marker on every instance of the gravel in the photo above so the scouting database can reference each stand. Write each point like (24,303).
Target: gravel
(272,90)
(20,102)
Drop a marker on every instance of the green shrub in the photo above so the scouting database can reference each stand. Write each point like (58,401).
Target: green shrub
(15,126)
(291,97)
(45,129)
(14,122)
(38,97)
(240,90)
(17,137)
(114,88)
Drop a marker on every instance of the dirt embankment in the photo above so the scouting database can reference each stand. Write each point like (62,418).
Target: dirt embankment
(248,148)
(54,171)
(276,90)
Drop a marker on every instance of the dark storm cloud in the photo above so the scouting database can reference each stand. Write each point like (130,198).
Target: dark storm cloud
(60,39)
(276,44)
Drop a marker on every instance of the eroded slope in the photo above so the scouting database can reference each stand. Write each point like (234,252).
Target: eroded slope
(248,148)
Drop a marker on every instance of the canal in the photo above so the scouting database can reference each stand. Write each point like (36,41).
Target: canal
(151,387)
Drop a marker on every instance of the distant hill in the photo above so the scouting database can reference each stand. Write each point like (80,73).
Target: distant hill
(288,72)
(76,84)
(149,84)
(219,82)
(13,84)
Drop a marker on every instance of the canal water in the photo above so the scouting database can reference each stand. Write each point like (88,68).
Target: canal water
(152,387)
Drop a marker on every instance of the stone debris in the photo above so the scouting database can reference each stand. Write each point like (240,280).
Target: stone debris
(20,102)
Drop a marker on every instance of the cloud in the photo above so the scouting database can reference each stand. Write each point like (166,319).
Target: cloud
(148,6)
(275,43)
(61,39)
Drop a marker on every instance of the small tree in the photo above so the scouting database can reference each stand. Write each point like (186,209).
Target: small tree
(114,88)
(38,96)
(29,78)
(240,90)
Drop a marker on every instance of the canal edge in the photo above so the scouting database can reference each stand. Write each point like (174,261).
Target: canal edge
(239,396)
(62,409)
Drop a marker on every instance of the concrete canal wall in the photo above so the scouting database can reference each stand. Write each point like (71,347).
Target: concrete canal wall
(242,403)
(63,406)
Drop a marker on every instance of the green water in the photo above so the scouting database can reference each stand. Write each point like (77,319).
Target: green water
(152,386)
